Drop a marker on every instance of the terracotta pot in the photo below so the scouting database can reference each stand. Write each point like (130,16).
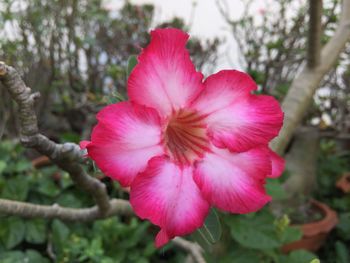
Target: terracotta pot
(314,233)
(344,183)
(41,161)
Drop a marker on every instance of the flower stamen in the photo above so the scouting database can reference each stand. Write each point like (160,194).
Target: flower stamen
(185,137)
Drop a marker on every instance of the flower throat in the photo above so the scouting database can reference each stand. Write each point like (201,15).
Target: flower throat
(185,137)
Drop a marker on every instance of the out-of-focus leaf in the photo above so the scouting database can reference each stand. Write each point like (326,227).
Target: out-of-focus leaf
(69,199)
(12,231)
(291,234)
(202,241)
(23,165)
(66,181)
(116,97)
(342,252)
(275,190)
(210,232)
(32,256)
(11,257)
(343,227)
(2,166)
(255,231)
(16,188)
(35,231)
(60,234)
(48,187)
(211,229)
(132,62)
(242,255)
(299,256)
(135,236)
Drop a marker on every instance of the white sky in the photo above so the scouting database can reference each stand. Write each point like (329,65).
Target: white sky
(207,22)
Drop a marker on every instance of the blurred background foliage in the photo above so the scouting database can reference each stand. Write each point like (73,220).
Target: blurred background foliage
(255,237)
(76,53)
(273,46)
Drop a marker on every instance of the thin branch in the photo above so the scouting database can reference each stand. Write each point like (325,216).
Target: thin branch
(27,210)
(304,85)
(67,155)
(117,207)
(193,248)
(315,32)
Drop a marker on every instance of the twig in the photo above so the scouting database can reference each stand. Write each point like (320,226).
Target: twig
(304,85)
(193,248)
(27,210)
(64,155)
(67,156)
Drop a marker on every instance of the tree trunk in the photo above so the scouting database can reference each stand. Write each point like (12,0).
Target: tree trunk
(303,87)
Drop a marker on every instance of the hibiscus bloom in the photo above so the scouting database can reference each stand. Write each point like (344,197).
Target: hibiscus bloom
(183,144)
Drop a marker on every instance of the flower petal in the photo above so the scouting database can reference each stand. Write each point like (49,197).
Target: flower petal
(237,119)
(234,182)
(162,238)
(250,122)
(278,164)
(165,77)
(124,139)
(223,88)
(167,195)
(84,144)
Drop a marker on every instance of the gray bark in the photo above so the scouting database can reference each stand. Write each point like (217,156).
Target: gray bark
(303,87)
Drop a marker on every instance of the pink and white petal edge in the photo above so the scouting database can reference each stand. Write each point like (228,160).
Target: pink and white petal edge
(165,77)
(249,122)
(234,182)
(222,89)
(126,137)
(166,195)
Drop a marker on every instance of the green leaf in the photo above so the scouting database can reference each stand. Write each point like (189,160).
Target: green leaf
(70,137)
(211,229)
(66,181)
(342,253)
(298,256)
(254,230)
(116,97)
(60,234)
(202,241)
(48,187)
(16,188)
(132,62)
(69,199)
(35,231)
(275,190)
(2,166)
(343,227)
(291,234)
(242,255)
(135,236)
(12,231)
(23,165)
(11,257)
(18,166)
(33,256)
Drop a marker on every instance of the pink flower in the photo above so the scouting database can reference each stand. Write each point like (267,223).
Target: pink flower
(183,144)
